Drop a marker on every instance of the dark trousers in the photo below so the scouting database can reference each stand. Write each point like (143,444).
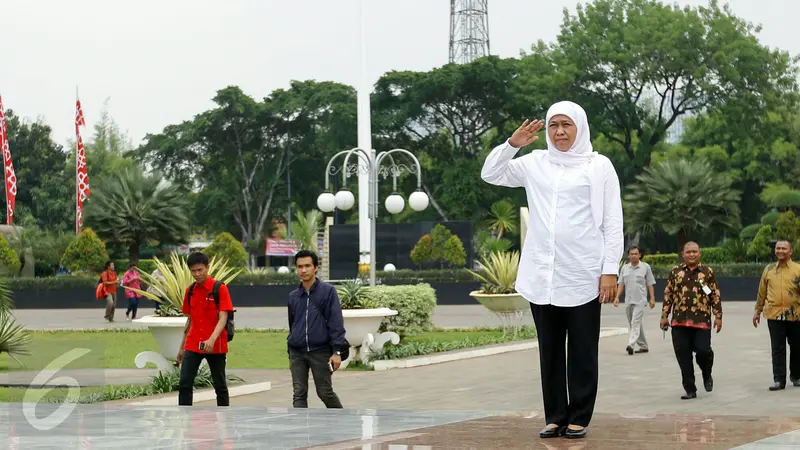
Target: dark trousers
(687,341)
(781,331)
(189,368)
(299,363)
(573,372)
(133,306)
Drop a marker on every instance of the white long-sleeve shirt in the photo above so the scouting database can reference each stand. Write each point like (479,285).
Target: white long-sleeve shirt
(565,250)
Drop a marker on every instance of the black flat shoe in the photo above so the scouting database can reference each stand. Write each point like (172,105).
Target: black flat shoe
(629,349)
(776,386)
(642,350)
(709,384)
(796,383)
(689,396)
(551,432)
(575,434)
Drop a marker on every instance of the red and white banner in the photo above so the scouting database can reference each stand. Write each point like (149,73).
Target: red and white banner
(282,247)
(11,177)
(81,175)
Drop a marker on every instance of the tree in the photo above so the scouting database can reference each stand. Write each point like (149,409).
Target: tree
(788,228)
(503,216)
(85,253)
(453,252)
(225,247)
(45,193)
(639,65)
(132,209)
(422,251)
(681,197)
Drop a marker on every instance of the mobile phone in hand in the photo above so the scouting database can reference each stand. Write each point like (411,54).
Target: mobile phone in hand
(202,345)
(330,366)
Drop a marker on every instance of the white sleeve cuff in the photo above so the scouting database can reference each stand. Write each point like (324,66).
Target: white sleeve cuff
(610,268)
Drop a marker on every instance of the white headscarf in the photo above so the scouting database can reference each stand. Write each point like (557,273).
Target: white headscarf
(581,151)
(580,154)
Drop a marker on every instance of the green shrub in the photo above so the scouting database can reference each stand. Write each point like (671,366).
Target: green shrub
(226,247)
(422,251)
(454,253)
(9,259)
(661,259)
(749,232)
(716,255)
(414,305)
(85,253)
(761,247)
(770,218)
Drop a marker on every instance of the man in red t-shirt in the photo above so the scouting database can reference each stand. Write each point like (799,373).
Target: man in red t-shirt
(205,336)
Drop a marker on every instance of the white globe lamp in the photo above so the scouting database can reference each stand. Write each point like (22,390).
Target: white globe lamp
(345,199)
(326,202)
(418,201)
(283,269)
(395,203)
(389,268)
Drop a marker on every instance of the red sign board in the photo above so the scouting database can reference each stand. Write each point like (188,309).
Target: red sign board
(282,247)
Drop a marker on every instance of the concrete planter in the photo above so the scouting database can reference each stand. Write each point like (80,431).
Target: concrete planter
(501,303)
(361,330)
(168,333)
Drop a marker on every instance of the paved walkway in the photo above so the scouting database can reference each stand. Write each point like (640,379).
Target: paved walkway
(449,316)
(639,384)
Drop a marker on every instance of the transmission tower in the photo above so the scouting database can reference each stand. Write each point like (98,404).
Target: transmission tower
(469,30)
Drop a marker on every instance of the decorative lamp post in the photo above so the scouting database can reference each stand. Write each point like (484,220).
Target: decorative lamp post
(371,163)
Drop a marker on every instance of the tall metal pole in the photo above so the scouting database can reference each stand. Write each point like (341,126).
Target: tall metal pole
(365,143)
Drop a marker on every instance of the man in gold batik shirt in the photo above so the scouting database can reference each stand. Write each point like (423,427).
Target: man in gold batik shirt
(779,302)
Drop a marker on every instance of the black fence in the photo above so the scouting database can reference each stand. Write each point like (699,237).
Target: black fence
(394,243)
(733,289)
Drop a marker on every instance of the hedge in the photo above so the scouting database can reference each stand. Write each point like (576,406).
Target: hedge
(400,277)
(414,305)
(711,255)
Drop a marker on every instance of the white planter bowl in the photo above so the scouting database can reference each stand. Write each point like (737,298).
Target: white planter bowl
(501,303)
(167,331)
(358,323)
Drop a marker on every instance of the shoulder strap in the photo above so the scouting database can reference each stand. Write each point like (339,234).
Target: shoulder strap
(189,295)
(215,292)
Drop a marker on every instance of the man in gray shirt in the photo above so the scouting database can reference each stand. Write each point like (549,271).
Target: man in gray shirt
(636,280)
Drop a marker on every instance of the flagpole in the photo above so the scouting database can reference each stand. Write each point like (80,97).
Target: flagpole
(77,183)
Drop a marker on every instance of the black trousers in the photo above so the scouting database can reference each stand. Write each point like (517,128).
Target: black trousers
(781,331)
(300,363)
(569,379)
(189,368)
(687,341)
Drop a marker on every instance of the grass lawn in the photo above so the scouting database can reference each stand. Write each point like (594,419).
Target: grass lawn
(249,350)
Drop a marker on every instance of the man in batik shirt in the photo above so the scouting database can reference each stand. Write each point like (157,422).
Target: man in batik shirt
(692,296)
(779,301)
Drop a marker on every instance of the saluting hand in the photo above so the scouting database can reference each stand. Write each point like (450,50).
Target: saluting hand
(526,133)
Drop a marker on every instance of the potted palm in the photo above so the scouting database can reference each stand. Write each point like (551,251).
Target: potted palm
(498,273)
(167,288)
(362,319)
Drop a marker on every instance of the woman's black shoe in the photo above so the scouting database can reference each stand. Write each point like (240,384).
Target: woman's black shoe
(575,434)
(551,432)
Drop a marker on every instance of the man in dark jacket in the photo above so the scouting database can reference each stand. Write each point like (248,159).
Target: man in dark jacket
(316,333)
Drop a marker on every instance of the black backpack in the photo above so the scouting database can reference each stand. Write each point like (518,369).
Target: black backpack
(229,325)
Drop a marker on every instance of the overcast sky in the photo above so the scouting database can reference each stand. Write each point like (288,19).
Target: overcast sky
(161,61)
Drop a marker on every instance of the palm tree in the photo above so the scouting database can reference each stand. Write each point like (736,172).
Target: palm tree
(306,228)
(680,197)
(15,340)
(503,217)
(131,209)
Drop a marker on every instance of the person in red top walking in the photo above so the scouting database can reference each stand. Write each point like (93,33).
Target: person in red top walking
(205,336)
